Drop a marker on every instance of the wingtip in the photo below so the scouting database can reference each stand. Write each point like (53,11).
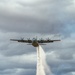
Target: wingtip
(57,40)
(12,39)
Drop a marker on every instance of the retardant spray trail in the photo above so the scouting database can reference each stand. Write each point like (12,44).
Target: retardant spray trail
(42,67)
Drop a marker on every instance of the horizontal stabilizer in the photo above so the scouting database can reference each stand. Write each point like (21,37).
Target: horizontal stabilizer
(42,44)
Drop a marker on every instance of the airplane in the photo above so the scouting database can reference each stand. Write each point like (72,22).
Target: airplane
(35,42)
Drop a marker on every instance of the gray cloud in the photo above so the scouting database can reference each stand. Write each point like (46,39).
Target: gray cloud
(51,16)
(20,18)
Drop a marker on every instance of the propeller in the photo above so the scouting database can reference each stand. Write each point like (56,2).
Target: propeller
(28,38)
(41,39)
(22,38)
(48,39)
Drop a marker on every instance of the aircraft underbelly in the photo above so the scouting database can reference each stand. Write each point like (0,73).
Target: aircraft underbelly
(35,44)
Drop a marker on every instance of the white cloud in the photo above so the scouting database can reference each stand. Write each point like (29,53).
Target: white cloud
(73,73)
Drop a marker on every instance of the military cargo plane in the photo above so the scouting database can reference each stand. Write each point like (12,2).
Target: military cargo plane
(35,42)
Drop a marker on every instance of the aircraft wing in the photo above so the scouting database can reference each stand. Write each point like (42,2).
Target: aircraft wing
(24,41)
(47,41)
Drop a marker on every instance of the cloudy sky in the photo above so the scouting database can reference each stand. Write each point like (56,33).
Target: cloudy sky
(42,18)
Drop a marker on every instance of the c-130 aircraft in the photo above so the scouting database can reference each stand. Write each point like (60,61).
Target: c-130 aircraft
(35,42)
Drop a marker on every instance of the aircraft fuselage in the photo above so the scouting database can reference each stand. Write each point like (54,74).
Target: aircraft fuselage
(35,43)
